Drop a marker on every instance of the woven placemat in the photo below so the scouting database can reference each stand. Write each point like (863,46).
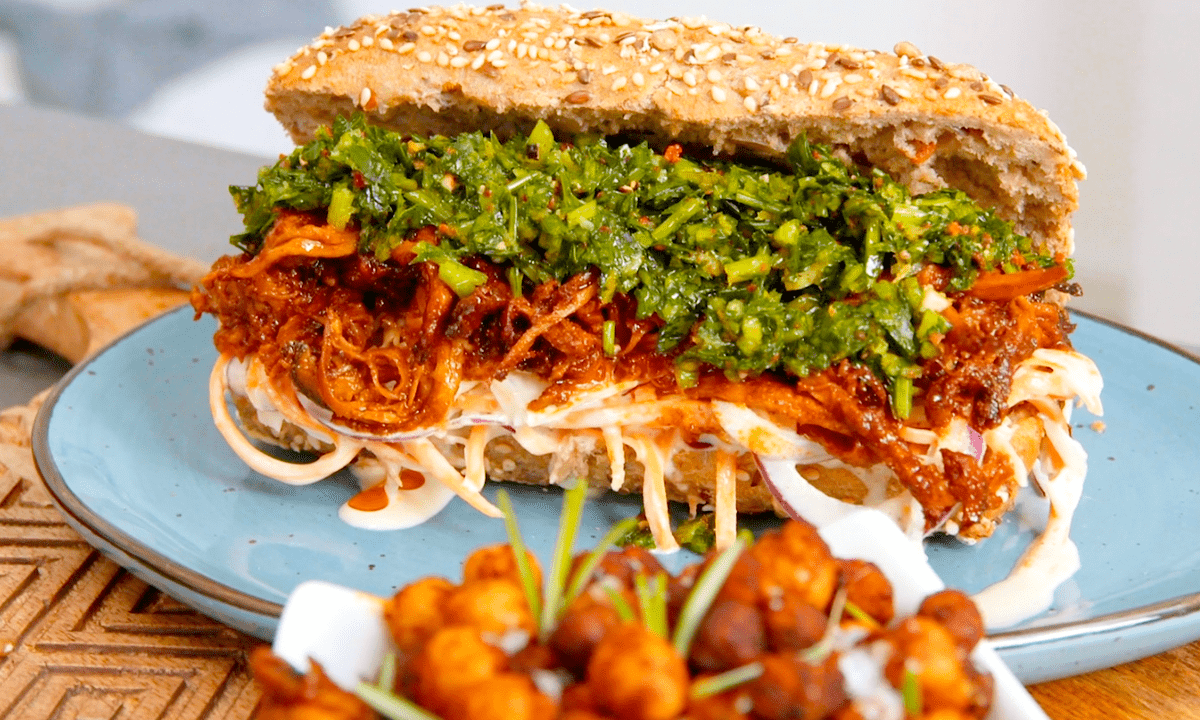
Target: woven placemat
(80,637)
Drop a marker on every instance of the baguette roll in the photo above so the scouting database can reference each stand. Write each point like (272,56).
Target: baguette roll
(927,123)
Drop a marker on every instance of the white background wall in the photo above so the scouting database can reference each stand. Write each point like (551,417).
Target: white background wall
(1119,77)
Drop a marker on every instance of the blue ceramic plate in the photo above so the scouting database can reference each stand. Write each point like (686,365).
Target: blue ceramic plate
(129,451)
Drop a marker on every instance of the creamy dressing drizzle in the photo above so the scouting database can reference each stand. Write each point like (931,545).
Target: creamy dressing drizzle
(484,411)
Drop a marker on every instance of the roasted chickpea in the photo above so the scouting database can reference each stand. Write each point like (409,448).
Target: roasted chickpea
(415,613)
(454,659)
(626,564)
(928,650)
(580,715)
(791,688)
(495,605)
(679,587)
(637,675)
(792,624)
(745,581)
(578,697)
(795,560)
(731,634)
(730,705)
(583,626)
(955,611)
(289,696)
(507,696)
(498,561)
(868,588)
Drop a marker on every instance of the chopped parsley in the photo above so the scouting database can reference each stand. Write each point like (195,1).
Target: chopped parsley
(749,268)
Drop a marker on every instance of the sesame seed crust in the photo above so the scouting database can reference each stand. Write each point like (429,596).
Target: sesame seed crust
(733,89)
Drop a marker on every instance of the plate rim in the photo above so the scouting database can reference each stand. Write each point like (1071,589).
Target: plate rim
(73,507)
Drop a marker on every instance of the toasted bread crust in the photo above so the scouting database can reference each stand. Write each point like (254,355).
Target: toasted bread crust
(928,123)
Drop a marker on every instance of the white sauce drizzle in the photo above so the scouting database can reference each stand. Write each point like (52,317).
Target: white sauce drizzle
(1045,379)
(1052,557)
(405,508)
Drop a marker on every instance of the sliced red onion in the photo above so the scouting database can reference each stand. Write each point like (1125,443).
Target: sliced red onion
(978,446)
(797,496)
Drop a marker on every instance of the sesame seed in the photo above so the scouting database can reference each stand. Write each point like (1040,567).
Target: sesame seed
(751,84)
(308,72)
(521,50)
(608,69)
(718,94)
(364,97)
(917,74)
(560,44)
(664,40)
(478,62)
(453,35)
(714,75)
(689,78)
(428,30)
(512,45)
(368,41)
(406,48)
(903,92)
(750,103)
(930,94)
(675,72)
(952,93)
(638,79)
(353,46)
(656,68)
(852,78)
(386,44)
(619,83)
(443,59)
(501,63)
(831,86)
(492,44)
(495,55)
(424,56)
(322,58)
(460,61)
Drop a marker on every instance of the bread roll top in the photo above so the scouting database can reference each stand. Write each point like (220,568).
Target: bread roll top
(734,90)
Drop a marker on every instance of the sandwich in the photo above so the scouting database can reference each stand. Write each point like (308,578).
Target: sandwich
(675,258)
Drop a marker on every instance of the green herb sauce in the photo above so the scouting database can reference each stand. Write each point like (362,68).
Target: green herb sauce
(750,269)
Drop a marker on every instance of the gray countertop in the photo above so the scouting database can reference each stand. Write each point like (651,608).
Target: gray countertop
(53,159)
